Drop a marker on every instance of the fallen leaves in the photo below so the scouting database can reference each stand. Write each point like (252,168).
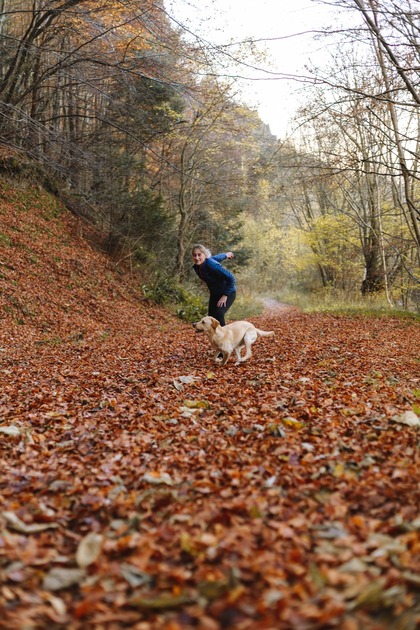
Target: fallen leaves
(409,418)
(59,578)
(158,478)
(15,523)
(141,489)
(89,549)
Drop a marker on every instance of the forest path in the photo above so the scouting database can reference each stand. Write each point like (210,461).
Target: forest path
(141,486)
(280,493)
(275,307)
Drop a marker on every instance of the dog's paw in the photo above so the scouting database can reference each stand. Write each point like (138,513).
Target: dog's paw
(219,358)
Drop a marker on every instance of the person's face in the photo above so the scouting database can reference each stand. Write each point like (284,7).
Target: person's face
(198,257)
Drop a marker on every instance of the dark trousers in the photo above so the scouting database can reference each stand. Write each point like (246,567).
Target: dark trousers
(219,312)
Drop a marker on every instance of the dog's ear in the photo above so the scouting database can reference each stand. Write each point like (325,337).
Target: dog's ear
(214,323)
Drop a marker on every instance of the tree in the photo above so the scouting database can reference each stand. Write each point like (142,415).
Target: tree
(366,102)
(88,89)
(205,184)
(391,33)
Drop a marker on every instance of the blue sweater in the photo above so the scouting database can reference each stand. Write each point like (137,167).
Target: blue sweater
(219,280)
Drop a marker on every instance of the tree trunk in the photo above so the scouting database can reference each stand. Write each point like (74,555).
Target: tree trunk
(380,46)
(183,221)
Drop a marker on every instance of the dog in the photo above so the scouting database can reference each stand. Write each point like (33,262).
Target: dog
(229,338)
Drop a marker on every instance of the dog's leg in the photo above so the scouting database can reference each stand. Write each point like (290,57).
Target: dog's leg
(220,358)
(226,356)
(238,351)
(217,357)
(249,338)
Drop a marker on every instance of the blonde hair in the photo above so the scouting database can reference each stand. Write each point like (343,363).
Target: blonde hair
(202,249)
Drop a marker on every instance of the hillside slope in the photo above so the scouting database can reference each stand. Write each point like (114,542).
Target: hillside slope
(143,487)
(52,281)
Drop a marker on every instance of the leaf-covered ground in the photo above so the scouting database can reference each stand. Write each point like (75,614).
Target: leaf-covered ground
(143,487)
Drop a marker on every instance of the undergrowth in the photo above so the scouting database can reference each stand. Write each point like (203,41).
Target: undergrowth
(190,304)
(346,304)
(178,299)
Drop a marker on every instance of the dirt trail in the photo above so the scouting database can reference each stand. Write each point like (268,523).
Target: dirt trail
(274,307)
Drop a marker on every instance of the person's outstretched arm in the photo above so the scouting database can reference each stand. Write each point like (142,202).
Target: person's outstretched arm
(220,257)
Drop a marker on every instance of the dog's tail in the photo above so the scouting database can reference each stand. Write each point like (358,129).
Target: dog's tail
(265,333)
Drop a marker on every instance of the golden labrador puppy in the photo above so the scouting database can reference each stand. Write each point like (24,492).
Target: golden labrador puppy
(229,338)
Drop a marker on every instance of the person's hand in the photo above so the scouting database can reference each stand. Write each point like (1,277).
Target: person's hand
(222,301)
(230,255)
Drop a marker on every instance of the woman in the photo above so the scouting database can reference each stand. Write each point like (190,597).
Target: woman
(220,281)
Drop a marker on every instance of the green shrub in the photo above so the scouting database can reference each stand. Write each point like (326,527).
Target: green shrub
(167,292)
(192,310)
(162,291)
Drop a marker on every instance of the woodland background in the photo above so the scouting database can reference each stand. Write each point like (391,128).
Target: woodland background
(128,120)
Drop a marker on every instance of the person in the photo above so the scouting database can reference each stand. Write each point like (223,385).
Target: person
(220,282)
